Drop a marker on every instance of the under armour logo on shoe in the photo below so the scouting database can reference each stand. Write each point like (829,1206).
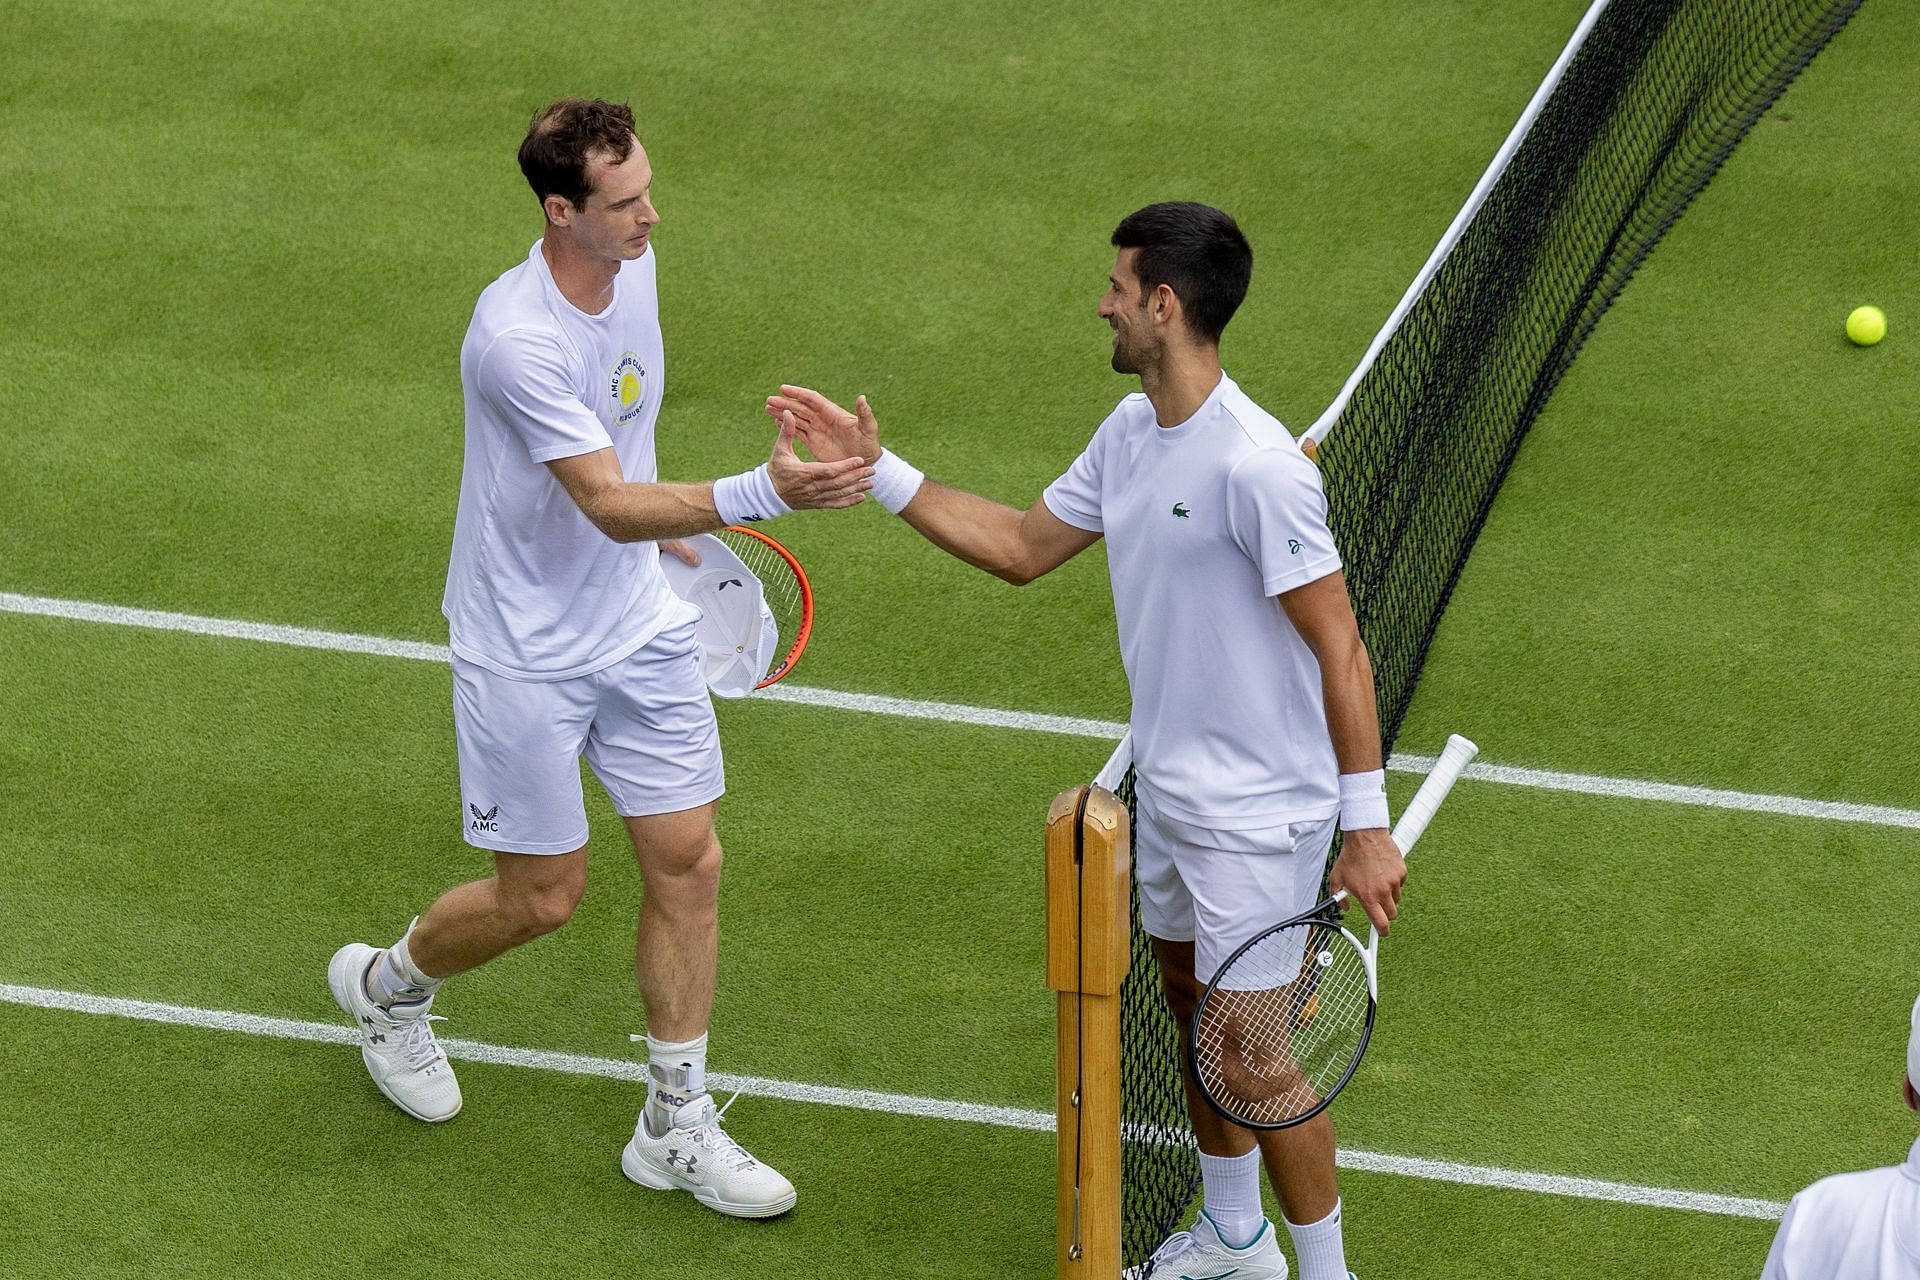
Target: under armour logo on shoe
(674,1157)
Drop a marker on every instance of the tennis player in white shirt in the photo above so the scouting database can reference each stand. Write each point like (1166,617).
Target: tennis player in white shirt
(1254,722)
(1857,1226)
(567,642)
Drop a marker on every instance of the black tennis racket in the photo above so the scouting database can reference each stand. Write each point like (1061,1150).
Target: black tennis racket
(1280,1029)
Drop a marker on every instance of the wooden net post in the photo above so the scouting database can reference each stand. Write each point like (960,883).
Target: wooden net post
(1088,936)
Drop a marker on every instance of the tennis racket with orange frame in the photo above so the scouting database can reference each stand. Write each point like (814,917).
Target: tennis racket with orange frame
(788,593)
(756,607)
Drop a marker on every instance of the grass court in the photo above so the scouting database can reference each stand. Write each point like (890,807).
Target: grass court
(245,239)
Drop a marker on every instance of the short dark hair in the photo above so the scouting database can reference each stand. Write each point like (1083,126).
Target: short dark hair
(564,135)
(1198,252)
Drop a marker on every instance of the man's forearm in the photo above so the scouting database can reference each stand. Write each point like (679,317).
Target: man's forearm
(632,512)
(1353,716)
(977,530)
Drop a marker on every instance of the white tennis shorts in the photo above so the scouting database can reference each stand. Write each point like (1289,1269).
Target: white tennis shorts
(644,724)
(1218,889)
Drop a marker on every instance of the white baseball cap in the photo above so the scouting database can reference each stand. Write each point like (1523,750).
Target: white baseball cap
(1913,1050)
(737,634)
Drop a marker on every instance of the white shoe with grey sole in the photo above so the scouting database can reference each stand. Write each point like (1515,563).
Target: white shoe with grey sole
(397,1045)
(699,1157)
(1200,1254)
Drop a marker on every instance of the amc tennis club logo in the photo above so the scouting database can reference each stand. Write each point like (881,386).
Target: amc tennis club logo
(627,389)
(484,821)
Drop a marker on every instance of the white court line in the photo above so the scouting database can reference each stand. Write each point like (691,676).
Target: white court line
(949,712)
(154,619)
(871,1100)
(954,713)
(1673,793)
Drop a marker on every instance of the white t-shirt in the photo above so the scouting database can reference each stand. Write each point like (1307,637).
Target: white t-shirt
(1856,1226)
(1205,522)
(534,590)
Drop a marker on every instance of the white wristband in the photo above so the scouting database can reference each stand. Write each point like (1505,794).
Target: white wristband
(1363,800)
(748,496)
(895,481)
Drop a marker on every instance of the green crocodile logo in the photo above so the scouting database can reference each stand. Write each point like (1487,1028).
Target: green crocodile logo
(1180,509)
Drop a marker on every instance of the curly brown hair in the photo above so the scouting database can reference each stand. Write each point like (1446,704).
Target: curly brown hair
(561,139)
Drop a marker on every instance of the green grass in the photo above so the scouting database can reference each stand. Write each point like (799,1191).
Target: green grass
(1696,572)
(246,239)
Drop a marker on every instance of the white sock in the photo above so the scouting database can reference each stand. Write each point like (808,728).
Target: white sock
(395,979)
(1231,1196)
(676,1075)
(1322,1253)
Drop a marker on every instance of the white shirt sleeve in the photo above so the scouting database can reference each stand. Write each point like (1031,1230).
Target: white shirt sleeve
(1075,496)
(1776,1268)
(1277,514)
(524,377)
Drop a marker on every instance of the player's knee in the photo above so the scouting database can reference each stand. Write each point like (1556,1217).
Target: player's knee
(551,910)
(1182,994)
(540,909)
(690,875)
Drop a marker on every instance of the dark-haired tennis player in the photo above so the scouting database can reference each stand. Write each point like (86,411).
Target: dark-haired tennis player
(1254,725)
(568,642)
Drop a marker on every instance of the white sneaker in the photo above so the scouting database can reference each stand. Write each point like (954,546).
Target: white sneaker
(696,1155)
(1200,1254)
(402,1054)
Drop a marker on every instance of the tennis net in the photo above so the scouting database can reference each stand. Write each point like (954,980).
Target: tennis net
(1639,112)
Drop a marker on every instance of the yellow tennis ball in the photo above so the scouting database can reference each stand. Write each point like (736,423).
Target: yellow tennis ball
(1866,326)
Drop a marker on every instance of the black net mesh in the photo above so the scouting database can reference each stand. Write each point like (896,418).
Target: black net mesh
(1159,1165)
(1657,97)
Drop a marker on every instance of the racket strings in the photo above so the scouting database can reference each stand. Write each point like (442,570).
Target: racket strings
(777,581)
(1285,1024)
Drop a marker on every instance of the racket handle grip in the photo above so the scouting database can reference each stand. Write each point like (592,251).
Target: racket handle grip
(1419,812)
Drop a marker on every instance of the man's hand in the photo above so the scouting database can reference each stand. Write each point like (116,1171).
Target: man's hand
(830,432)
(680,550)
(1371,870)
(840,482)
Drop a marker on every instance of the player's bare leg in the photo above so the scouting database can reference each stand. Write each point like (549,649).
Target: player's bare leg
(1299,1160)
(676,952)
(678,1143)
(528,895)
(388,993)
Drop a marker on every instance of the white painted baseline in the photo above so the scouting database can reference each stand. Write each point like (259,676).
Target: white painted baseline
(869,1100)
(989,717)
